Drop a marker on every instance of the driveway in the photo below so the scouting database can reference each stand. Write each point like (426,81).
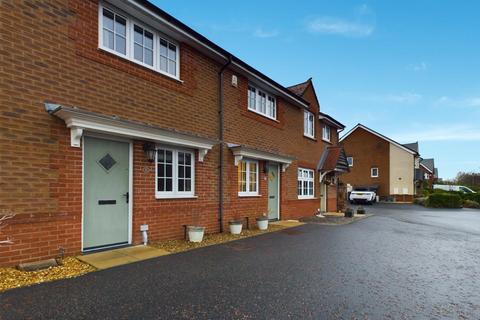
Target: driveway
(405,262)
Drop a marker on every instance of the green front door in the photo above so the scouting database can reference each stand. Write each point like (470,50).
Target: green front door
(106,185)
(273,191)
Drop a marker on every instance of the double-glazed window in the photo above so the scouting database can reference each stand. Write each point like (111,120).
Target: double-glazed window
(261,102)
(122,35)
(305,183)
(247,178)
(350,161)
(174,173)
(308,124)
(326,135)
(374,172)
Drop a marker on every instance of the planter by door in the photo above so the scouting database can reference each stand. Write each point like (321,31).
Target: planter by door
(106,193)
(195,234)
(273,172)
(235,227)
(262,223)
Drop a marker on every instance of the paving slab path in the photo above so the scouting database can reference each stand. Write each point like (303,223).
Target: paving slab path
(404,262)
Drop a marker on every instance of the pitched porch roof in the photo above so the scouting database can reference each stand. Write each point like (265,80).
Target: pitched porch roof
(333,159)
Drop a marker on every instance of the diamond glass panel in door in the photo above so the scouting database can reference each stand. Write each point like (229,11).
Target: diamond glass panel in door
(184,172)
(107,162)
(242,176)
(143,45)
(165,172)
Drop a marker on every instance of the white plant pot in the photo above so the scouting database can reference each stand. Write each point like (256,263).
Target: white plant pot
(195,234)
(236,228)
(262,224)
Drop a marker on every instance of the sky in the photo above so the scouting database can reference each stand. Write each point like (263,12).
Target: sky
(408,69)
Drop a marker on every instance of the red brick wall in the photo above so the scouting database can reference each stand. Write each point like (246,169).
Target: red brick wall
(49,53)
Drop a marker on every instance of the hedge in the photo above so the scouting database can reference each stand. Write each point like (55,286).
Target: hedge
(444,200)
(471,204)
(471,196)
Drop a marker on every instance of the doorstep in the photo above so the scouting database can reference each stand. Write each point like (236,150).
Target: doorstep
(287,223)
(117,257)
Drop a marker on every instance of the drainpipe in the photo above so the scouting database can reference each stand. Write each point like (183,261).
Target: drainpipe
(221,109)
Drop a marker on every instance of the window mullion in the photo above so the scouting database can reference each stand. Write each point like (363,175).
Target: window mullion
(247,178)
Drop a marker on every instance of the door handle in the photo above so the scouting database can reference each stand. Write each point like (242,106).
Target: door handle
(127,196)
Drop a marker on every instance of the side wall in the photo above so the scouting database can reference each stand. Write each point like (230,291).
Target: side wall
(402,169)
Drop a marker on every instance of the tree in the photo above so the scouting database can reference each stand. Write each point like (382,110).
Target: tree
(4,216)
(468,178)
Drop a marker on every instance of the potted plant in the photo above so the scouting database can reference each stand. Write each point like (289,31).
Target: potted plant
(195,232)
(262,222)
(235,226)
(349,213)
(361,210)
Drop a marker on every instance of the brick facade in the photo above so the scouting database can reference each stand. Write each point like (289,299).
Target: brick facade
(50,53)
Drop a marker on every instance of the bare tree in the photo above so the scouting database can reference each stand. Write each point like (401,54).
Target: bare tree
(4,216)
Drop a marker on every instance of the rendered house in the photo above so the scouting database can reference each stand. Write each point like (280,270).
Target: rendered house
(115,115)
(381,163)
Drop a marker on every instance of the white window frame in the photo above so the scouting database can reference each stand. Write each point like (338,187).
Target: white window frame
(350,163)
(157,35)
(308,126)
(301,178)
(175,193)
(248,192)
(371,172)
(257,108)
(326,133)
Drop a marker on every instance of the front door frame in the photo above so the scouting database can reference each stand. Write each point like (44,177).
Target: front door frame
(278,188)
(130,183)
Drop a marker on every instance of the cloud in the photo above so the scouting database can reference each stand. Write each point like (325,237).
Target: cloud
(444,132)
(261,33)
(445,101)
(328,25)
(361,25)
(406,98)
(420,67)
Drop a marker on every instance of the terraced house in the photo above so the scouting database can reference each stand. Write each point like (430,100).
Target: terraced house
(115,115)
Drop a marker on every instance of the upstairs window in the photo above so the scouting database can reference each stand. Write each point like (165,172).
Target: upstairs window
(350,161)
(262,103)
(326,134)
(114,31)
(305,188)
(127,38)
(374,172)
(308,124)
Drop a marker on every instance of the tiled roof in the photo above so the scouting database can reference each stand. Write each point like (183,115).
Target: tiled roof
(333,158)
(300,88)
(429,163)
(412,146)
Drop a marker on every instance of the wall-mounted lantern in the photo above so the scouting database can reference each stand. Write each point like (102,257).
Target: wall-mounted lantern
(149,149)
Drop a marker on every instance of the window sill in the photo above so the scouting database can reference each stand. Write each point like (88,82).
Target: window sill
(309,137)
(249,195)
(139,64)
(158,197)
(263,115)
(327,141)
(307,198)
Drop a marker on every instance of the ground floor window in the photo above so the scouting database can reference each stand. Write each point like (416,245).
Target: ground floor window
(174,173)
(374,172)
(305,183)
(248,178)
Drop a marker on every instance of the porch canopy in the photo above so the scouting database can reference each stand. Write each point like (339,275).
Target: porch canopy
(334,160)
(241,152)
(79,121)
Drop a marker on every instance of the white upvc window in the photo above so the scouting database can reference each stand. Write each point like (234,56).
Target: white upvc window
(124,36)
(308,124)
(248,178)
(326,133)
(175,173)
(374,172)
(306,178)
(262,103)
(350,161)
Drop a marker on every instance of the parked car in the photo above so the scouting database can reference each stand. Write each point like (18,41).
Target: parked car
(363,195)
(447,187)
